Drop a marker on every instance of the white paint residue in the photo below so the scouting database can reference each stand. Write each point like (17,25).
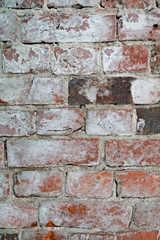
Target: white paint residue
(146,91)
(112,60)
(140,124)
(134,25)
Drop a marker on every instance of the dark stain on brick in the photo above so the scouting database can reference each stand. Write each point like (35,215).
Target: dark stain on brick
(75,85)
(151,118)
(116,90)
(6,236)
(155,59)
(119,91)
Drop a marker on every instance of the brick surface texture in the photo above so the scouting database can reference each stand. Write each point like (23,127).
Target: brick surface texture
(80,119)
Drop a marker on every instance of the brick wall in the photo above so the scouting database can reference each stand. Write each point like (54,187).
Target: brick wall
(80,119)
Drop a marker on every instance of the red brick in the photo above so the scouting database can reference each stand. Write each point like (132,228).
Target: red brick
(125,58)
(110,215)
(148,120)
(72,3)
(138,184)
(109,122)
(16,215)
(133,152)
(147,214)
(125,3)
(23,4)
(155,59)
(75,61)
(26,90)
(38,184)
(16,123)
(41,153)
(59,121)
(25,59)
(89,184)
(8,27)
(134,235)
(4,186)
(139,26)
(41,235)
(68,28)
(2,165)
(93,236)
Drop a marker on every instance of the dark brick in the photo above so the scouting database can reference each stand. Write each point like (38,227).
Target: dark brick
(155,59)
(148,120)
(6,236)
(111,90)
(158,3)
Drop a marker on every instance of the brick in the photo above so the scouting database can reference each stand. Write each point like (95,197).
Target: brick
(89,184)
(138,184)
(133,152)
(21,91)
(125,58)
(92,90)
(43,234)
(59,121)
(120,90)
(139,27)
(4,186)
(2,165)
(68,28)
(75,61)
(23,4)
(134,235)
(147,214)
(155,59)
(94,236)
(109,122)
(11,236)
(8,27)
(148,120)
(125,3)
(16,215)
(146,90)
(38,184)
(72,3)
(110,215)
(25,59)
(41,153)
(16,123)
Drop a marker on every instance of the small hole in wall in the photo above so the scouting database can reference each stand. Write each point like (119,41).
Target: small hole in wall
(155,26)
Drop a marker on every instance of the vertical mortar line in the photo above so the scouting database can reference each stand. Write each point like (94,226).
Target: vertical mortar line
(114,187)
(5,154)
(131,224)
(11,182)
(20,235)
(134,122)
(64,183)
(35,122)
(101,154)
(115,237)
(45,5)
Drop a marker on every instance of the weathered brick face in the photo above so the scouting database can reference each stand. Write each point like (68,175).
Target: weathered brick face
(80,119)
